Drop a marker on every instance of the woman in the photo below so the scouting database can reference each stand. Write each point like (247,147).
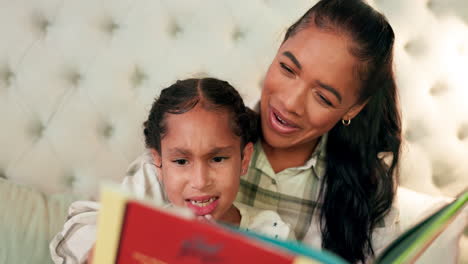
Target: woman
(329,115)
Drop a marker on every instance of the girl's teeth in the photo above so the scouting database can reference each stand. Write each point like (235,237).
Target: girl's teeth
(203,203)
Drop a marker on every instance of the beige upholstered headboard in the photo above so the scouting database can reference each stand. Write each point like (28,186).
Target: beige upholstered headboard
(78,77)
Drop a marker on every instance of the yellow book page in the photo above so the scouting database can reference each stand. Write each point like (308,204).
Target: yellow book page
(111,215)
(304,260)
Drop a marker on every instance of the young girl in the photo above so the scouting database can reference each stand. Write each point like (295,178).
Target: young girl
(200,138)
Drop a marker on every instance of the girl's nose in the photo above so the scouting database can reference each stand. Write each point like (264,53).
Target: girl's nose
(200,178)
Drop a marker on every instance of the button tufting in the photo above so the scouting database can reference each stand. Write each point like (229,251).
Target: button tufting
(69,179)
(409,136)
(417,131)
(36,129)
(438,88)
(41,23)
(415,47)
(110,26)
(107,131)
(6,76)
(138,77)
(463,132)
(74,78)
(237,34)
(429,4)
(3,174)
(442,177)
(174,29)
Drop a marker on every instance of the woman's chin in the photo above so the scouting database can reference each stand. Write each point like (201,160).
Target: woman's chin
(274,140)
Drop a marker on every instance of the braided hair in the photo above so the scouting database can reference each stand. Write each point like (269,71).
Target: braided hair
(212,94)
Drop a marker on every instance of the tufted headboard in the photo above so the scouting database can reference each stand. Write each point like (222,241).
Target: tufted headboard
(78,77)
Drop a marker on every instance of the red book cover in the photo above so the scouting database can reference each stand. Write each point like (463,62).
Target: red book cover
(134,231)
(154,236)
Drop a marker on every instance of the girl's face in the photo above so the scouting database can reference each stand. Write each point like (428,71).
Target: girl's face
(310,86)
(201,162)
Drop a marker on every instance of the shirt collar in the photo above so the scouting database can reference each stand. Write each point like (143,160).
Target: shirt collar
(316,160)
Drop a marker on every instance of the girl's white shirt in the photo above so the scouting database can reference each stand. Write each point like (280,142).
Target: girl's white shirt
(73,243)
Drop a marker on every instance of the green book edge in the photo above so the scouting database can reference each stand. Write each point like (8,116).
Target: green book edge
(413,242)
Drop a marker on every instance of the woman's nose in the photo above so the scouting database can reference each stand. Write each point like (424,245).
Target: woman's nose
(294,99)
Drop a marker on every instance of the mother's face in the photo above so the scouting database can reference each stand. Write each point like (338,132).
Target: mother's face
(310,86)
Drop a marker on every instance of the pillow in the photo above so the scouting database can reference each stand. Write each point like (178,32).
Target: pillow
(28,221)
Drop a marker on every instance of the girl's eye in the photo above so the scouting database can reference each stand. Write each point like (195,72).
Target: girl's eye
(180,161)
(286,68)
(219,159)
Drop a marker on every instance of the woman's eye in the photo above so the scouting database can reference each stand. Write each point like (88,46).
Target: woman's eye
(286,68)
(325,100)
(180,161)
(219,159)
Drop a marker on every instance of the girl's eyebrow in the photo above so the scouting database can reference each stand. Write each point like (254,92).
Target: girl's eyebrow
(293,59)
(179,151)
(218,150)
(213,151)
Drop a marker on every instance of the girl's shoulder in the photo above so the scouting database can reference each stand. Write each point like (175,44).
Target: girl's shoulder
(142,180)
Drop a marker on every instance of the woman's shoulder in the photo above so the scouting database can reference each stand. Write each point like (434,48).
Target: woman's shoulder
(387,230)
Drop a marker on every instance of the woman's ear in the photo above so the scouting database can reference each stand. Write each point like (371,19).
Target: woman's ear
(246,156)
(354,111)
(157,160)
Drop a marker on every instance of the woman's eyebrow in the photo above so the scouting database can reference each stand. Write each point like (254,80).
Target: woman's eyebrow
(331,89)
(293,59)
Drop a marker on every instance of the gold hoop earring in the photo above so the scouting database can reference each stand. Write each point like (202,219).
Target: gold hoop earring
(346,122)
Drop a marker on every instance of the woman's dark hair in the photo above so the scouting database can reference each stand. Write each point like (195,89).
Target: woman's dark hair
(210,93)
(358,188)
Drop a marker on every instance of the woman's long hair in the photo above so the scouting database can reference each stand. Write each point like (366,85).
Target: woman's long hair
(358,188)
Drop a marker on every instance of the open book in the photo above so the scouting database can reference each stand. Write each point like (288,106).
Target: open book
(135,231)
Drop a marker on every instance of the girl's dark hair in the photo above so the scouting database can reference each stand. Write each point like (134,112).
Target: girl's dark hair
(358,188)
(210,93)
